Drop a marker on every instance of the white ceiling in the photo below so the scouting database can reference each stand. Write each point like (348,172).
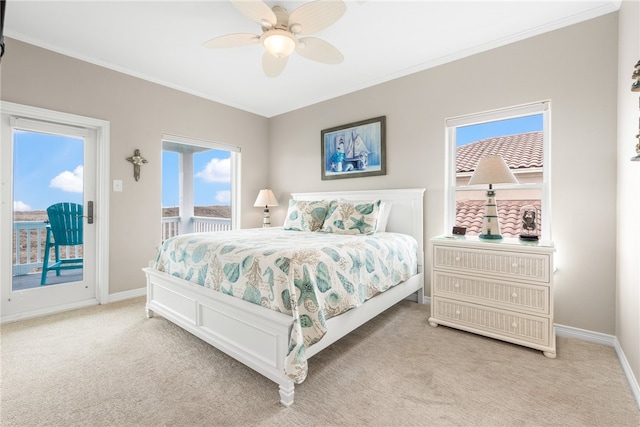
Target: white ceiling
(161,41)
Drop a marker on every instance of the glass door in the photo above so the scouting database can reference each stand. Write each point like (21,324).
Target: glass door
(53,244)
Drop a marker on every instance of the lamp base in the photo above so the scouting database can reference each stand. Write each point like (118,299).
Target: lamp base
(266,221)
(490,222)
(490,236)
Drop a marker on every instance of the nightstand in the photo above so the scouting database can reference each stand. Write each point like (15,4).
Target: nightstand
(500,289)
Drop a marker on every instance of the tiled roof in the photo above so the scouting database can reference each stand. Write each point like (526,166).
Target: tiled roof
(469,214)
(520,151)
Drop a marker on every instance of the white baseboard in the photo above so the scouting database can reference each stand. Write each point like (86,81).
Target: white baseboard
(584,335)
(48,310)
(121,296)
(633,382)
(611,341)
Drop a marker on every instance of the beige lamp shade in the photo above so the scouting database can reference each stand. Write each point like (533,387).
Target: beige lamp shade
(492,170)
(265,198)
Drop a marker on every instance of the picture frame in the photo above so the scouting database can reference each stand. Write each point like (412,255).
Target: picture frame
(354,150)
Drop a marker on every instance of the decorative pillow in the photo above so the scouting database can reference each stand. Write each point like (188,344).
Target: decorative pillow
(383,216)
(351,217)
(305,215)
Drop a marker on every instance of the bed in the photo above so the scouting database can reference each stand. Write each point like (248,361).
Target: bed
(277,341)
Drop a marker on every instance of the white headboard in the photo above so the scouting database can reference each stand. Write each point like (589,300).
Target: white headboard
(407,212)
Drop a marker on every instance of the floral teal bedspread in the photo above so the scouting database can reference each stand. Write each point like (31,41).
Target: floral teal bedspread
(310,275)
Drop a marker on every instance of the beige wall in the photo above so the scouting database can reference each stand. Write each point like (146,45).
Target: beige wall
(139,113)
(628,279)
(574,67)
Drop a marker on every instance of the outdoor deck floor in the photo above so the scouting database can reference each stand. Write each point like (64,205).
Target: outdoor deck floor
(32,280)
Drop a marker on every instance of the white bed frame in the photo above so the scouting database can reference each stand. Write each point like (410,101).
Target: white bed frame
(259,337)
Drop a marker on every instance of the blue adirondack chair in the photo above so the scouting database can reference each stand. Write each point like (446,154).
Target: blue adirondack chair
(64,229)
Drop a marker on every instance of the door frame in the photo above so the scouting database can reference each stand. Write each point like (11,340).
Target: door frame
(101,213)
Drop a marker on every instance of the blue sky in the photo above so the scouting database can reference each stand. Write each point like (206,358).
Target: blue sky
(49,169)
(212,175)
(472,133)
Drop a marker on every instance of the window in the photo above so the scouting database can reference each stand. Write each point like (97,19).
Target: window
(521,136)
(199,186)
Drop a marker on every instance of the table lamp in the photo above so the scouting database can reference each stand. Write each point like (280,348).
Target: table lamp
(266,199)
(491,170)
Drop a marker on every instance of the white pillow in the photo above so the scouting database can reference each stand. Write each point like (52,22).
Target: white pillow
(383,216)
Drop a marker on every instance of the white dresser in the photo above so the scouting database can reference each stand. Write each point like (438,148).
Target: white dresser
(502,289)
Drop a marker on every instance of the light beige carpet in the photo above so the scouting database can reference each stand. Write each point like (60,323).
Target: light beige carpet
(111,366)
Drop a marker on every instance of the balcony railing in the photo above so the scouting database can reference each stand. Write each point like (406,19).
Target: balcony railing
(26,235)
(29,238)
(199,224)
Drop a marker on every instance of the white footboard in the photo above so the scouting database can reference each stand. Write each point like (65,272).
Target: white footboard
(251,334)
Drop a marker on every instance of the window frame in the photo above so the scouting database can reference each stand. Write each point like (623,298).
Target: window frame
(451,125)
(236,168)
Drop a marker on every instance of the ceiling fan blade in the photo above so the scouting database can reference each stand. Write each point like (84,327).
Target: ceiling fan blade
(319,50)
(257,11)
(315,16)
(232,40)
(273,66)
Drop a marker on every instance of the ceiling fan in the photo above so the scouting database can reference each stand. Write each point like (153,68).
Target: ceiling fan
(280,32)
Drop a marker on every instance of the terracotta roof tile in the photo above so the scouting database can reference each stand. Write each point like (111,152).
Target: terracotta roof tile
(520,151)
(469,214)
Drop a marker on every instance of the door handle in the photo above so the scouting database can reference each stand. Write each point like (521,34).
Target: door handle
(90,212)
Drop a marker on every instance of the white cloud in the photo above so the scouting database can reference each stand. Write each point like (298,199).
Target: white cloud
(217,170)
(223,197)
(19,206)
(69,181)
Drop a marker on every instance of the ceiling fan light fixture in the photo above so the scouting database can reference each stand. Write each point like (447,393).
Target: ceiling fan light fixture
(279,43)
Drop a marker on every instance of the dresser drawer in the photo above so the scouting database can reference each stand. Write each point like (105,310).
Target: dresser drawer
(509,265)
(506,295)
(497,323)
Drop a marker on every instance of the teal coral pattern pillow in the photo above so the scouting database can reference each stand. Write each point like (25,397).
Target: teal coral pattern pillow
(351,217)
(304,215)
